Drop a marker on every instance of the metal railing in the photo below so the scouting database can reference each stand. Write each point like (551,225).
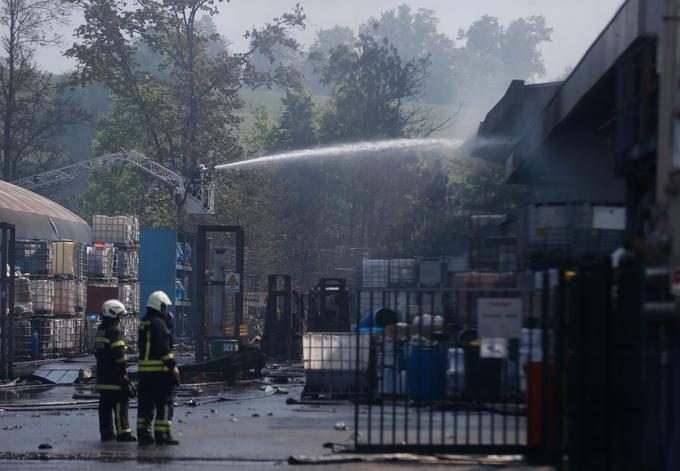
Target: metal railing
(430,384)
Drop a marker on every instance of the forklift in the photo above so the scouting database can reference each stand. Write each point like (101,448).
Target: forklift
(329,306)
(283,325)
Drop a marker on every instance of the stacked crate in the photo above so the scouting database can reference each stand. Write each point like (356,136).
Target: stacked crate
(117,266)
(50,298)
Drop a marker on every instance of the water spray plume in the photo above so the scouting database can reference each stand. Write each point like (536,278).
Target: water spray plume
(349,150)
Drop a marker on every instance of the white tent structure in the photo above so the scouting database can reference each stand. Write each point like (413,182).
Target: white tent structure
(36,217)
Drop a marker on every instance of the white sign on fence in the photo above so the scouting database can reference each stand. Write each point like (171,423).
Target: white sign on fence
(499,318)
(493,348)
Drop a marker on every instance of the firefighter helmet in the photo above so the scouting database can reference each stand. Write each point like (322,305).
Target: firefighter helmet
(113,309)
(159,301)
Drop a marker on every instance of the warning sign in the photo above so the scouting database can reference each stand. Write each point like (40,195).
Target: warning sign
(499,318)
(233,284)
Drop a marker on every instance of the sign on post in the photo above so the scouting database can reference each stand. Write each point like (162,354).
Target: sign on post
(233,284)
(498,319)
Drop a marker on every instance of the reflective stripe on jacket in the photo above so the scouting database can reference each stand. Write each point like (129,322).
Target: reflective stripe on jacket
(109,348)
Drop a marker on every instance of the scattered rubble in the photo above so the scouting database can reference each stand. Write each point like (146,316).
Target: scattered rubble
(342,426)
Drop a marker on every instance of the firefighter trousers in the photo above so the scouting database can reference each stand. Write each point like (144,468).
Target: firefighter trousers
(113,408)
(155,401)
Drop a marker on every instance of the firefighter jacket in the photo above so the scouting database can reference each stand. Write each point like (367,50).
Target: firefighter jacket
(155,348)
(111,358)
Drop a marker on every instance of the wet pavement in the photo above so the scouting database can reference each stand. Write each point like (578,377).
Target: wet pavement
(253,429)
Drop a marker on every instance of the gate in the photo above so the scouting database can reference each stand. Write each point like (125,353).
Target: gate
(430,384)
(211,264)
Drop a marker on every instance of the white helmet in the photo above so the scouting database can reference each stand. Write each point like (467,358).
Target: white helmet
(113,309)
(159,301)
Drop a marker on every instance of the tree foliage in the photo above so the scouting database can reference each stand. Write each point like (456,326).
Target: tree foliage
(494,55)
(33,107)
(372,88)
(189,110)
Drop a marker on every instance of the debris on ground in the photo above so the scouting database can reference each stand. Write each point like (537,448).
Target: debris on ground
(468,460)
(44,446)
(341,426)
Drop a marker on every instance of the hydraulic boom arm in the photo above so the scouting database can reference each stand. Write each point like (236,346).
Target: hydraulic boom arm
(198,192)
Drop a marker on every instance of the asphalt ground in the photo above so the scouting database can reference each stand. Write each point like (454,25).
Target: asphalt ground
(255,429)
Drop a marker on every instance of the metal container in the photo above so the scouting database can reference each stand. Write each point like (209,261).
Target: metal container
(128,294)
(101,261)
(65,297)
(375,273)
(335,352)
(128,263)
(402,272)
(23,296)
(330,362)
(33,257)
(222,348)
(560,231)
(22,338)
(115,229)
(129,327)
(43,296)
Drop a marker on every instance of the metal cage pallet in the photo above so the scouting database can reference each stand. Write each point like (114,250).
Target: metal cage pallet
(48,336)
(43,259)
(102,262)
(120,230)
(548,233)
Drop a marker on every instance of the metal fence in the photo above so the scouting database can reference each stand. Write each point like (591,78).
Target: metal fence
(7,253)
(437,382)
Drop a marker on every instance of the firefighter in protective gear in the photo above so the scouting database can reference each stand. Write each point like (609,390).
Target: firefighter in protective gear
(158,373)
(112,380)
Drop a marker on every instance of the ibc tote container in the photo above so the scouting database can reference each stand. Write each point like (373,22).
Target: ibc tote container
(330,362)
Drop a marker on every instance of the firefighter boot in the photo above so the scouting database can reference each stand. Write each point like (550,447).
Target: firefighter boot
(126,437)
(165,438)
(144,438)
(107,436)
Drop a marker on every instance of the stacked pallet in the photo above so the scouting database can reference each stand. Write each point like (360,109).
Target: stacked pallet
(50,298)
(114,271)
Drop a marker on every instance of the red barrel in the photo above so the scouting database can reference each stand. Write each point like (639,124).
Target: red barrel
(96,295)
(534,398)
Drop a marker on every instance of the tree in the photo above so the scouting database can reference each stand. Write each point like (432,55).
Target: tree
(189,112)
(372,88)
(32,110)
(494,55)
(415,35)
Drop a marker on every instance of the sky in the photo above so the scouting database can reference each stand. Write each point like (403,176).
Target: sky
(576,23)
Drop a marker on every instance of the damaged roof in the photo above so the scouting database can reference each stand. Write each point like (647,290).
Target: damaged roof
(635,20)
(511,118)
(36,217)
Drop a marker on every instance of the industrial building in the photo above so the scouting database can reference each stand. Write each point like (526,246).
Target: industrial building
(592,142)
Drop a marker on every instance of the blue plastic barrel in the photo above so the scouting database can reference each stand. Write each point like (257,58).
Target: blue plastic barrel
(426,374)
